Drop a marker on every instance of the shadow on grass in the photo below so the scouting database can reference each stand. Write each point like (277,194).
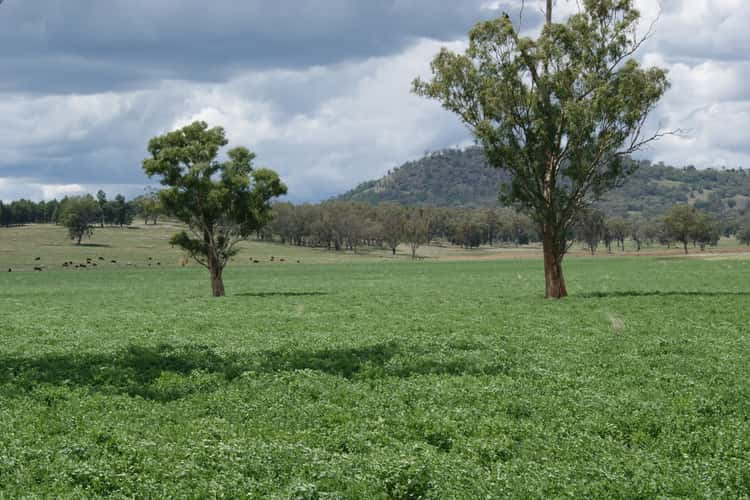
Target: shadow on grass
(279,294)
(167,372)
(95,245)
(666,293)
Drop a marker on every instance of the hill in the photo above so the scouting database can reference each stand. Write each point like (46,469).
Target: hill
(461,178)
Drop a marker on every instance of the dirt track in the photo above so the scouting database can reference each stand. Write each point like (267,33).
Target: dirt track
(674,252)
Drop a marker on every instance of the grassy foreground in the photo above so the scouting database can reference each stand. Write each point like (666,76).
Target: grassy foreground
(377,380)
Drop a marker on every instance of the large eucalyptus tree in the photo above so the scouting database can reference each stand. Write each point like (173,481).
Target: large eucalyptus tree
(561,113)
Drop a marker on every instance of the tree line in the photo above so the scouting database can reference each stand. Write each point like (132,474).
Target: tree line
(682,225)
(345,225)
(101,210)
(81,214)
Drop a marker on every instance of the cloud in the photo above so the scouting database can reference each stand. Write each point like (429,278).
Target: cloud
(348,123)
(700,30)
(320,90)
(362,121)
(90,46)
(12,189)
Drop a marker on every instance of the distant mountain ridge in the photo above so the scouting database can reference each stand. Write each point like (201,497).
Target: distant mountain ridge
(461,178)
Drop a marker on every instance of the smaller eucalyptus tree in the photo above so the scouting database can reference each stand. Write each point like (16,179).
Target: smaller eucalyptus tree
(222,203)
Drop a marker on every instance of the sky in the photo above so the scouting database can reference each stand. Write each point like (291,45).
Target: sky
(318,89)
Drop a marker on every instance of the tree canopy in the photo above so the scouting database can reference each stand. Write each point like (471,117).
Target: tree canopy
(221,202)
(78,213)
(560,113)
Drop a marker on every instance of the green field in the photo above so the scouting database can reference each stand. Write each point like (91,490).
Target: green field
(367,377)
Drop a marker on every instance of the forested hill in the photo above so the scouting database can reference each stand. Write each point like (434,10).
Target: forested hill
(453,178)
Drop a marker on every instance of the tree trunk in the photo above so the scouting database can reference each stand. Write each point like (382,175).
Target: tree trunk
(393,249)
(553,274)
(215,269)
(217,284)
(685,243)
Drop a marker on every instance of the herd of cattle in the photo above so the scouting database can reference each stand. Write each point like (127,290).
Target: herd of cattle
(92,263)
(89,263)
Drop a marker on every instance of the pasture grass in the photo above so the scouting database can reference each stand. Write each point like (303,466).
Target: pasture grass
(378,379)
(137,247)
(143,246)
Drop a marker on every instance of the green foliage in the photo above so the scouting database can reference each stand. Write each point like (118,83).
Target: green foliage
(77,214)
(680,223)
(339,225)
(590,229)
(149,207)
(416,229)
(439,380)
(560,113)
(19,212)
(618,229)
(686,224)
(743,235)
(23,211)
(222,203)
(393,223)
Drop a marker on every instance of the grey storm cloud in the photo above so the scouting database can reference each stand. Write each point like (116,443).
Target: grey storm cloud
(94,45)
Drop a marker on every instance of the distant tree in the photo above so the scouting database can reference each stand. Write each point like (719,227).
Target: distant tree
(468,229)
(101,201)
(522,229)
(52,209)
(607,237)
(437,223)
(352,225)
(707,231)
(121,211)
(283,222)
(619,229)
(492,224)
(222,203)
(743,235)
(78,214)
(560,113)
(416,229)
(149,207)
(681,223)
(336,220)
(590,229)
(393,221)
(638,232)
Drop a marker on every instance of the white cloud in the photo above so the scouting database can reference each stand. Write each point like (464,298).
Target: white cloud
(351,133)
(11,189)
(50,191)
